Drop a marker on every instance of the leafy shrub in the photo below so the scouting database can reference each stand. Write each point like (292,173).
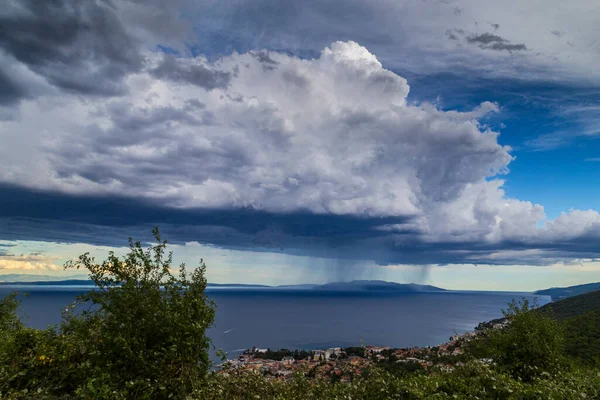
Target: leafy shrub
(473,381)
(142,336)
(531,345)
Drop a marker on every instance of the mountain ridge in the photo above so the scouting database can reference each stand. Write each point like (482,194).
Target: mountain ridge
(558,293)
(377,285)
(355,285)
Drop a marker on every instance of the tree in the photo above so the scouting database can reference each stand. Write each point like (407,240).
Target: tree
(9,322)
(142,334)
(10,325)
(146,328)
(531,345)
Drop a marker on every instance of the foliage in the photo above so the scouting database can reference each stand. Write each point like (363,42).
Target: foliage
(278,355)
(473,381)
(142,335)
(401,368)
(531,345)
(9,322)
(573,306)
(582,338)
(355,351)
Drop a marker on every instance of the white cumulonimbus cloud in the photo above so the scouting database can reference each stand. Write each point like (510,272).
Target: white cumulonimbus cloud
(332,135)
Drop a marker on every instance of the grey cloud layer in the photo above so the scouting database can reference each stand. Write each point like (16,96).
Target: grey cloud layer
(77,46)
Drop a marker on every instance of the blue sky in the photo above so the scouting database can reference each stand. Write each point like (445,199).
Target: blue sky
(449,142)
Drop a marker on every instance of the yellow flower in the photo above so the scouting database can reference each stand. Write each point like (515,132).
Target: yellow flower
(42,358)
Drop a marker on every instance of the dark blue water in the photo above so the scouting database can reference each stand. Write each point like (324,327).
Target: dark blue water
(306,319)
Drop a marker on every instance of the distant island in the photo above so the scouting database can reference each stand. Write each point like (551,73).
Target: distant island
(377,286)
(352,286)
(28,278)
(66,282)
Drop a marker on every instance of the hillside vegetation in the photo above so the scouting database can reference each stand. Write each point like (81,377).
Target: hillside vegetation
(574,306)
(583,337)
(144,337)
(581,318)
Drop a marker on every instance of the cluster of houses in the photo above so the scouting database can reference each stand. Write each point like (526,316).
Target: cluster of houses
(336,363)
(320,363)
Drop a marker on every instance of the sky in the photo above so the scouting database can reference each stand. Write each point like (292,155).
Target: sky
(448,142)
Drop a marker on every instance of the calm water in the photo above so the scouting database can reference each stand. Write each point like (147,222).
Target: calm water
(307,319)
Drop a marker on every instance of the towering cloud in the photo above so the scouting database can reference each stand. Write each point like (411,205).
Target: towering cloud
(333,135)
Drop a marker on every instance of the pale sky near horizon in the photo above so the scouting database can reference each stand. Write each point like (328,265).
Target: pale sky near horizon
(453,143)
(239,266)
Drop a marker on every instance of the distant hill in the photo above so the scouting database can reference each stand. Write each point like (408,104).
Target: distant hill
(565,292)
(582,337)
(301,286)
(31,278)
(236,285)
(335,286)
(79,282)
(377,286)
(67,282)
(581,316)
(574,306)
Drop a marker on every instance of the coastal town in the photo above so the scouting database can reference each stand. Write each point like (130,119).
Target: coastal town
(343,364)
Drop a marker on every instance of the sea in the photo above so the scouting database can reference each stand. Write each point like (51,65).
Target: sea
(311,319)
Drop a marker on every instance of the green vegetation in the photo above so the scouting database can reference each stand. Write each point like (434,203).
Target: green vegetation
(142,335)
(583,338)
(532,345)
(355,351)
(581,317)
(473,381)
(574,306)
(281,353)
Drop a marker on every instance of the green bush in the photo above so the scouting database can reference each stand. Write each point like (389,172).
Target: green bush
(583,337)
(531,345)
(473,381)
(142,334)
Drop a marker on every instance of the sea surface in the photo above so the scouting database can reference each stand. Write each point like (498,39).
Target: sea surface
(307,319)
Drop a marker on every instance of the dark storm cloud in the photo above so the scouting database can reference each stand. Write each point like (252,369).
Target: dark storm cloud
(31,215)
(507,46)
(265,59)
(79,46)
(45,216)
(494,42)
(295,28)
(485,38)
(178,70)
(9,89)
